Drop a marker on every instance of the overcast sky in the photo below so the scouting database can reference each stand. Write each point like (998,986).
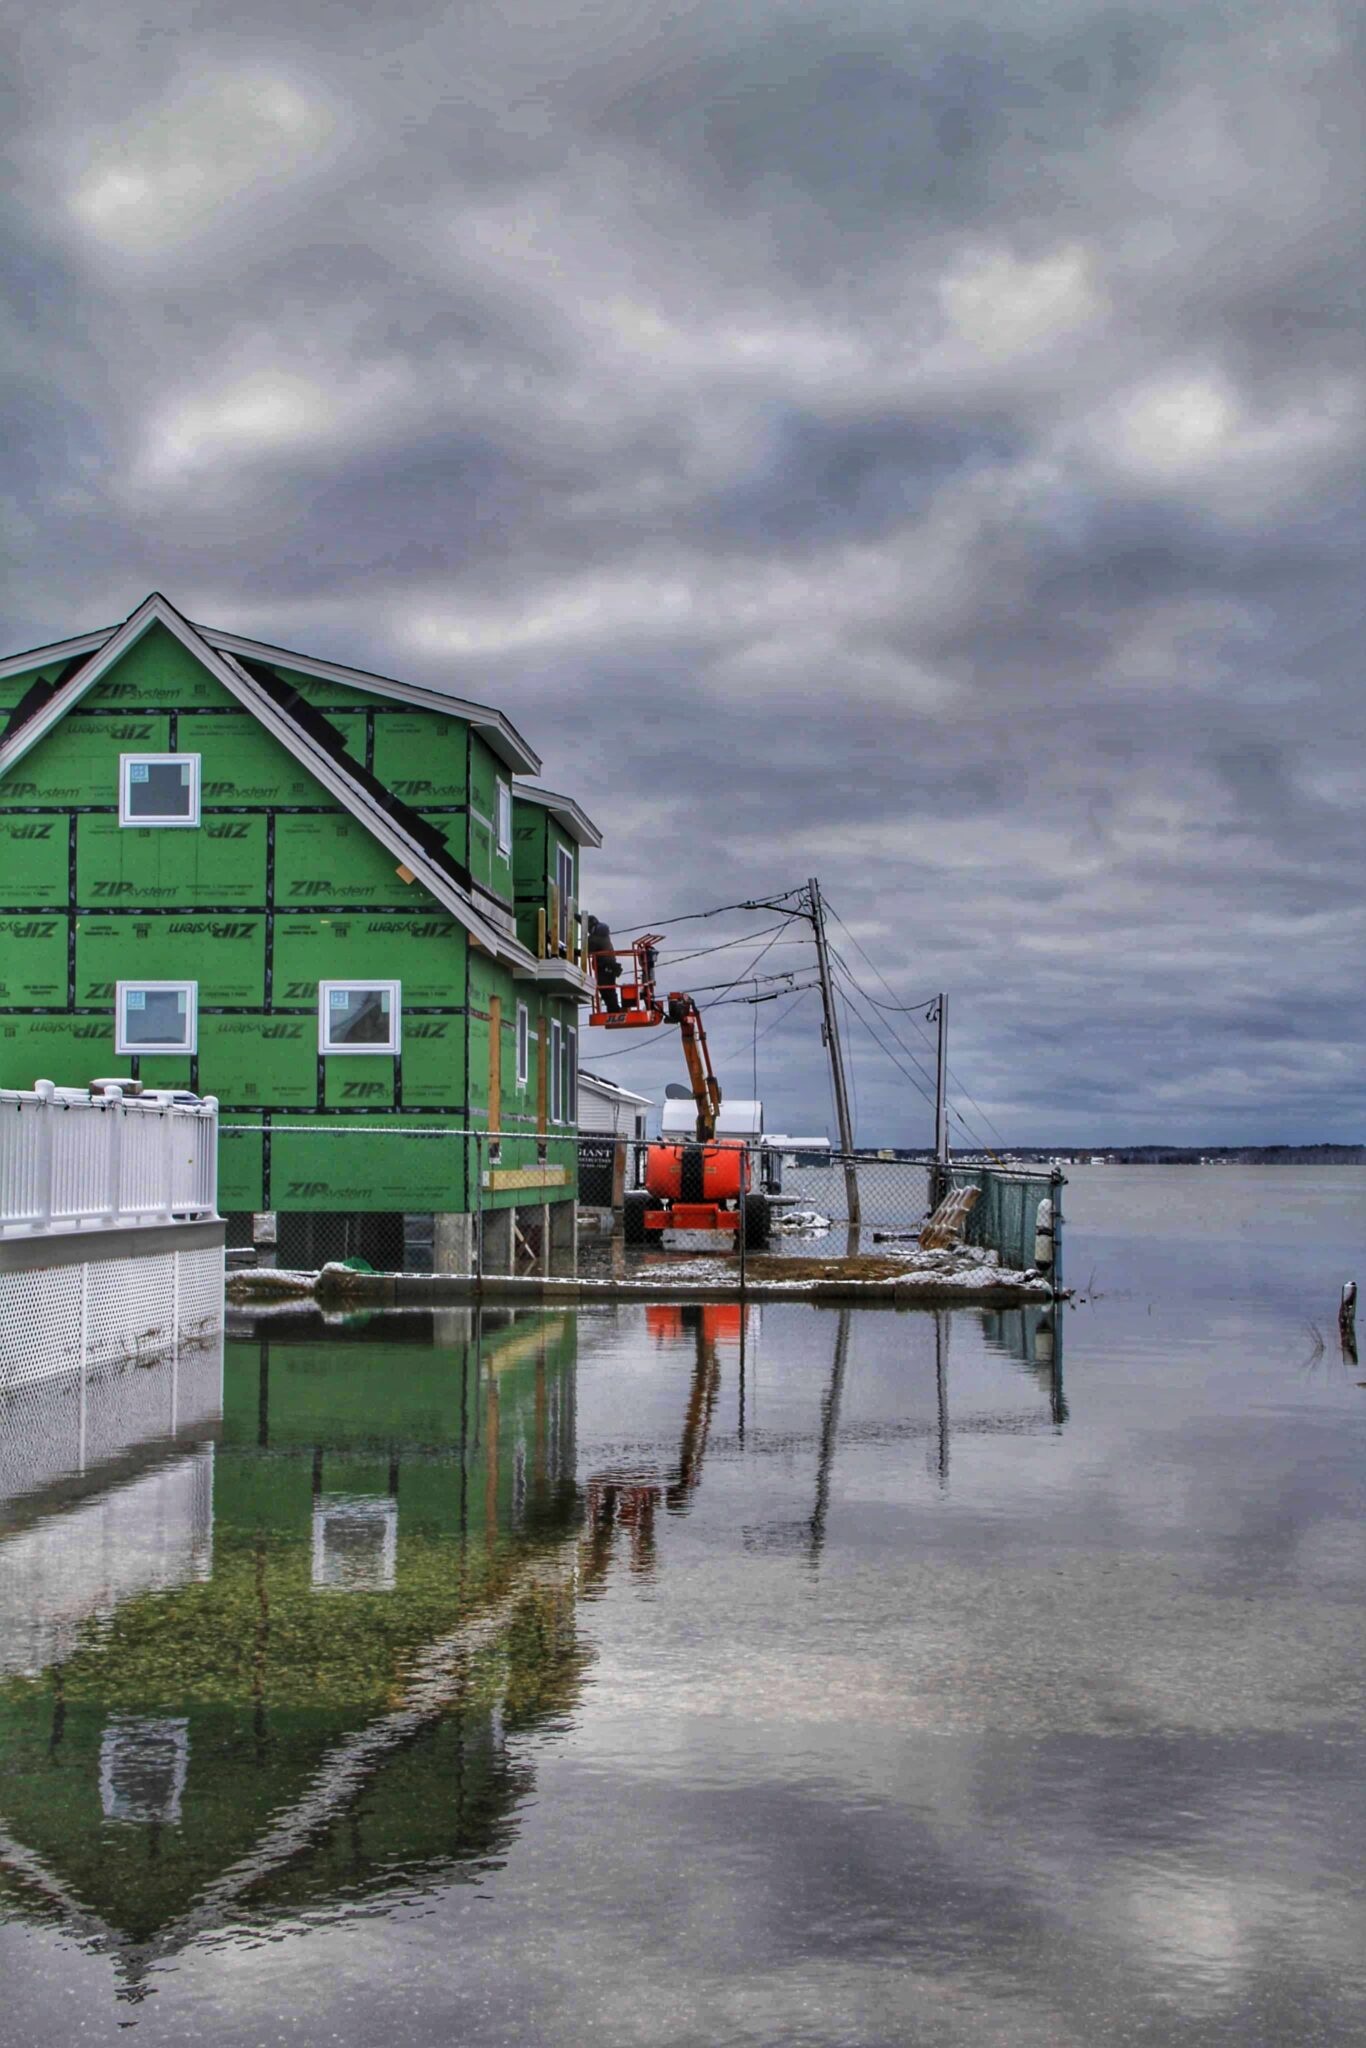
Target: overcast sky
(917,445)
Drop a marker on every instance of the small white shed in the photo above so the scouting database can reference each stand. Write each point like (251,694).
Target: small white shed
(608,1113)
(606,1109)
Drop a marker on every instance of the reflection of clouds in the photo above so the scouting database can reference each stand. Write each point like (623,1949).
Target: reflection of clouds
(1186,1923)
(1115,1646)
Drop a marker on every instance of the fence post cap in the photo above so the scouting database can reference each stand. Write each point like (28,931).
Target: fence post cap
(45,1090)
(210,1103)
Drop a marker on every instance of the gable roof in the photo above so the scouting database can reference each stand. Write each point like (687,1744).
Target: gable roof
(563,810)
(498,732)
(397,828)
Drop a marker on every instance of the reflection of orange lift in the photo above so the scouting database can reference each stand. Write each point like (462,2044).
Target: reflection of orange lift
(696,1186)
(623,1500)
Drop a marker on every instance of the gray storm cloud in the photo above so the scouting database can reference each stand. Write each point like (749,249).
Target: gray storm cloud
(918,446)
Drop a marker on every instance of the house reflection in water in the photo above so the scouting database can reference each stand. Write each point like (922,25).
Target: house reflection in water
(333,1609)
(263,1655)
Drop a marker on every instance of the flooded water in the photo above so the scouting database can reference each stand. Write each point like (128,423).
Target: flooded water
(689,1675)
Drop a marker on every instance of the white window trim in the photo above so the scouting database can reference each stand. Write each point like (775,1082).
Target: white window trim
(571,1074)
(554,1073)
(191,1043)
(503,807)
(156,760)
(395,1043)
(523,1045)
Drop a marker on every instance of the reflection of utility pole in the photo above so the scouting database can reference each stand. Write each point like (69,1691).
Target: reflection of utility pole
(941,1385)
(830,1422)
(744,1318)
(832,1040)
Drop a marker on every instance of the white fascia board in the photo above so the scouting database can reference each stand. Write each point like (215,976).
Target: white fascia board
(320,764)
(497,731)
(612,1090)
(563,809)
(114,644)
(58,650)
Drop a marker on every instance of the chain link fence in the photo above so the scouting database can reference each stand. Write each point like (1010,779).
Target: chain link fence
(418,1198)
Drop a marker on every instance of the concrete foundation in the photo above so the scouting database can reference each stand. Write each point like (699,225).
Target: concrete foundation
(497,1242)
(452,1244)
(564,1237)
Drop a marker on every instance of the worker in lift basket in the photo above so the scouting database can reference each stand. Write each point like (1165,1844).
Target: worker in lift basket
(606,966)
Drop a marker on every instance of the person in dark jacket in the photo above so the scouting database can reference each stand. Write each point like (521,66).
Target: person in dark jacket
(605,964)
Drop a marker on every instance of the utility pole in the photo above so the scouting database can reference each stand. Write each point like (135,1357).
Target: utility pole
(941,1090)
(832,1039)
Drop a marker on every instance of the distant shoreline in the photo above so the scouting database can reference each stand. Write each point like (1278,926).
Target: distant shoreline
(1167,1155)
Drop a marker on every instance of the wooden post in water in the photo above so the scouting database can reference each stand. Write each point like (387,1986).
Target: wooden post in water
(1347,1321)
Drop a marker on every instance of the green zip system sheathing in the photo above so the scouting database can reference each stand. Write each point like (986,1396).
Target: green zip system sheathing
(278,889)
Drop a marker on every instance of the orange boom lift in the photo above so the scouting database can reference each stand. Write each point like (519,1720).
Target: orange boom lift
(698,1186)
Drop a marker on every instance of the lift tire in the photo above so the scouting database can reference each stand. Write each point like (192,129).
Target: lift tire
(758,1222)
(633,1211)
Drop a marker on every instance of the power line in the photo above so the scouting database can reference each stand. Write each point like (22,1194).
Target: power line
(849,976)
(916,1010)
(909,1009)
(779,974)
(745,939)
(974,1137)
(774,1022)
(753,964)
(853,1071)
(888,1053)
(979,1109)
(689,916)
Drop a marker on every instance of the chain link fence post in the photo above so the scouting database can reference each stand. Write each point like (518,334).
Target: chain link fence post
(746,1169)
(479,1208)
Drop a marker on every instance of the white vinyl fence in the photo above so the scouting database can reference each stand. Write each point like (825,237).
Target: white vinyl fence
(72,1161)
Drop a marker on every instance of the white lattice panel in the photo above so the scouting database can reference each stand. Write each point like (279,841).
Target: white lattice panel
(130,1308)
(201,1292)
(40,1433)
(40,1323)
(107,1312)
(127,1404)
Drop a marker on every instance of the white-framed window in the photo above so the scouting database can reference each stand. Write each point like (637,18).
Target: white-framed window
(359,1016)
(555,1073)
(571,1074)
(564,884)
(523,1044)
(156,1016)
(504,808)
(159,789)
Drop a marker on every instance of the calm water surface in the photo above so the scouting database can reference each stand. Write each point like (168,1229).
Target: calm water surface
(668,1675)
